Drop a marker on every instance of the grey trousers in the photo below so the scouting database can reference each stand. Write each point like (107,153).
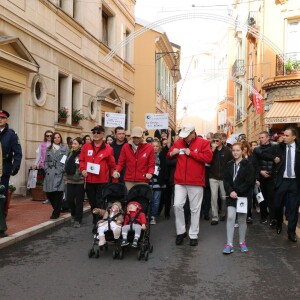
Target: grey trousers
(231,215)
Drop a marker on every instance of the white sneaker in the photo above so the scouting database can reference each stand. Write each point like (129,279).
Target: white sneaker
(152,222)
(236,225)
(46,201)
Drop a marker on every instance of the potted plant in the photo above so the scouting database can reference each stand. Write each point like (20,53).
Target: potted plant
(296,67)
(251,21)
(77,116)
(288,66)
(63,114)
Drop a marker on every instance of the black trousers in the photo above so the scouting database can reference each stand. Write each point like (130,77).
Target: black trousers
(55,199)
(206,203)
(288,188)
(75,198)
(166,200)
(267,188)
(5,182)
(94,194)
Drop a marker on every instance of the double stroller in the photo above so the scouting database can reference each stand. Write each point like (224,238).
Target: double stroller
(117,192)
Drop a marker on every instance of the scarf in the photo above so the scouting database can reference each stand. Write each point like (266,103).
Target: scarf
(70,166)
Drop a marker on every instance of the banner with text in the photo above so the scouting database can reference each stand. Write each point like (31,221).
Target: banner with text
(257,102)
(114,120)
(157,121)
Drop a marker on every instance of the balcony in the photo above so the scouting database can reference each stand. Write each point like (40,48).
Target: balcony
(288,64)
(238,68)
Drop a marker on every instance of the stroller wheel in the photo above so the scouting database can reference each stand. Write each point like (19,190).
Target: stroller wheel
(121,254)
(146,255)
(97,254)
(115,254)
(91,253)
(151,249)
(139,256)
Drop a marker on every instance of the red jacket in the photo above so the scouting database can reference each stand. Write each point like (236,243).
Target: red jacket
(137,164)
(141,218)
(190,169)
(103,155)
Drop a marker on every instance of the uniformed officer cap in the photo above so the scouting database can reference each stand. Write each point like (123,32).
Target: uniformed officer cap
(4,113)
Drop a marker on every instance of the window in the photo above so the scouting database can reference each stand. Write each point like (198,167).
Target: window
(127,47)
(105,28)
(127,116)
(108,30)
(62,90)
(76,95)
(292,39)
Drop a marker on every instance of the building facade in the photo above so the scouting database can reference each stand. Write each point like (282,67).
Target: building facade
(52,55)
(156,62)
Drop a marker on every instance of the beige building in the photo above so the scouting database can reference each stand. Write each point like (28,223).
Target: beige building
(156,62)
(272,66)
(52,55)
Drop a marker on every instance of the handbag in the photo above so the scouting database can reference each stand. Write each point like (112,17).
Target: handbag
(32,178)
(259,196)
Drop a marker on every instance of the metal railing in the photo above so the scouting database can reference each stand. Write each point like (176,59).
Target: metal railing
(288,63)
(238,68)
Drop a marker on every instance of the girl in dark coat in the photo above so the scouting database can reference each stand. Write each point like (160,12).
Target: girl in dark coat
(238,181)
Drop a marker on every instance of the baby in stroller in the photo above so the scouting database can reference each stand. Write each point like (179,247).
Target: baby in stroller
(112,219)
(135,220)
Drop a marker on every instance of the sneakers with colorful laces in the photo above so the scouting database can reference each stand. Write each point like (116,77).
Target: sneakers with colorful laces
(228,249)
(243,247)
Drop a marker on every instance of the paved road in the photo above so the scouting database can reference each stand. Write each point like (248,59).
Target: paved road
(55,265)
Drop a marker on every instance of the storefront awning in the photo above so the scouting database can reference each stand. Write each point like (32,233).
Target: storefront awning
(284,112)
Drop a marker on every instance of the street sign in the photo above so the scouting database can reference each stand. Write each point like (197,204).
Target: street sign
(114,120)
(157,121)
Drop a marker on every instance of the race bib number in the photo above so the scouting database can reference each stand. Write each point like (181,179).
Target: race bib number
(93,168)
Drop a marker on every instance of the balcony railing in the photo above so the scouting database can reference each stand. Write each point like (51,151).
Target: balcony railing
(238,68)
(287,64)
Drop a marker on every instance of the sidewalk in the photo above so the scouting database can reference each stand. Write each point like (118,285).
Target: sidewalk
(26,218)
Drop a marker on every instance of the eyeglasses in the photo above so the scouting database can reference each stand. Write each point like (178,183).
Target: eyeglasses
(97,132)
(215,141)
(48,135)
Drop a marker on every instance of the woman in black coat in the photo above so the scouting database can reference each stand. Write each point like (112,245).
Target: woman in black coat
(238,181)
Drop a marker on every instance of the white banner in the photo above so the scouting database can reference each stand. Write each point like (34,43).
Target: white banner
(157,121)
(114,120)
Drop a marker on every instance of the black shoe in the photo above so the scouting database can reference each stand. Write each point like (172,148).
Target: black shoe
(180,238)
(222,218)
(249,220)
(213,222)
(273,223)
(193,242)
(292,237)
(206,218)
(278,229)
(3,234)
(54,217)
(263,221)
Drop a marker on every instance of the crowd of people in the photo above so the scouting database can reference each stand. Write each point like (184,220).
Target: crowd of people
(201,176)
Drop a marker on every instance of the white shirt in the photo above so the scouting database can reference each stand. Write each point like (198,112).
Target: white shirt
(293,151)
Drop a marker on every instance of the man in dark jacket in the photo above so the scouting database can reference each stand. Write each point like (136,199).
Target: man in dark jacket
(264,157)
(221,156)
(117,145)
(12,156)
(288,181)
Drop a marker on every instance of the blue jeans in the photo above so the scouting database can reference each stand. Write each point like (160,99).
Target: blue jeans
(155,202)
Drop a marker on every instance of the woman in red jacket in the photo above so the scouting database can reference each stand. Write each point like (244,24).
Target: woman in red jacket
(97,163)
(138,158)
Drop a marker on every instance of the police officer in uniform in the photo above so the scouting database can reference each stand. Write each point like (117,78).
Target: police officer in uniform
(12,156)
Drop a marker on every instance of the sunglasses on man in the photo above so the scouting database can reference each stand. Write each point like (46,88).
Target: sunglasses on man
(97,132)
(215,141)
(48,135)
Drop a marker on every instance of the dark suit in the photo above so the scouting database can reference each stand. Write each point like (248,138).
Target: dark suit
(287,187)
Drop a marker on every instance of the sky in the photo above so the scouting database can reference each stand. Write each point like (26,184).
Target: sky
(195,36)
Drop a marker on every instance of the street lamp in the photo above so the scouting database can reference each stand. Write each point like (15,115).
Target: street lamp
(175,68)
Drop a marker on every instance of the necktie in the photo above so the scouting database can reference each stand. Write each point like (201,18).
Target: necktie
(289,162)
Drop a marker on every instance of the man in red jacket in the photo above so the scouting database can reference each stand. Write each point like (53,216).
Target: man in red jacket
(192,154)
(97,163)
(138,158)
